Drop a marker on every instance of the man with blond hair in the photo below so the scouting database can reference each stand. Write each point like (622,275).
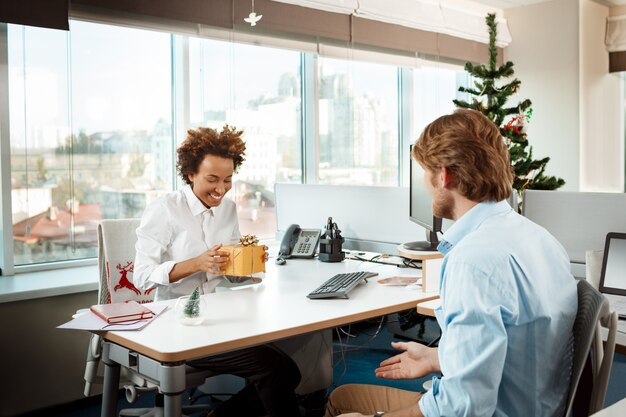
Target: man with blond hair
(508,299)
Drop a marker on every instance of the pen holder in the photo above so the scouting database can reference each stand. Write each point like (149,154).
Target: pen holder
(330,250)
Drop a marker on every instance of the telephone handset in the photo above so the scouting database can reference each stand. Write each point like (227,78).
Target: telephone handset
(298,243)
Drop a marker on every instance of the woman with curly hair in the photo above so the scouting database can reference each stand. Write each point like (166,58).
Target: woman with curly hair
(178,250)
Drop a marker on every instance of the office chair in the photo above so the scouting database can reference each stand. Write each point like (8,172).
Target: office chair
(116,254)
(591,366)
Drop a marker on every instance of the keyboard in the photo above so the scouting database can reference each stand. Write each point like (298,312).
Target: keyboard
(340,285)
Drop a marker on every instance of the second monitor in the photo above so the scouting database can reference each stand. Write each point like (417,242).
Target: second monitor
(420,211)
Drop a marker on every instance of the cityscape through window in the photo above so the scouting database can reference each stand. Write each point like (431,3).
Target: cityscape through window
(97,113)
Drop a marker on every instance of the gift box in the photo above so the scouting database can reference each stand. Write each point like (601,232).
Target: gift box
(244,260)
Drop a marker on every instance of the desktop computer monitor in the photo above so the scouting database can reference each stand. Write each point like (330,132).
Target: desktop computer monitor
(420,211)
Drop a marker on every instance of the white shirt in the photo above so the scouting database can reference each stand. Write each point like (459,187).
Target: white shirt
(175,228)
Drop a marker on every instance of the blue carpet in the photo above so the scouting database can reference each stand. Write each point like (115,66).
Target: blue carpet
(617,382)
(365,346)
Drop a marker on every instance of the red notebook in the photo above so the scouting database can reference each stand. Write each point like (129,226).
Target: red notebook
(121,312)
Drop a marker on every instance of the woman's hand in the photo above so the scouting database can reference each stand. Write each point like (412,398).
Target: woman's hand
(212,261)
(266,255)
(416,361)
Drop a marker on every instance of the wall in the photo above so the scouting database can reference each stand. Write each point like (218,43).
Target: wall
(602,134)
(560,57)
(545,53)
(617,10)
(41,365)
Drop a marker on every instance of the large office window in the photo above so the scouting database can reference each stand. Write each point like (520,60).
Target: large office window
(358,123)
(434,88)
(256,89)
(97,113)
(90,133)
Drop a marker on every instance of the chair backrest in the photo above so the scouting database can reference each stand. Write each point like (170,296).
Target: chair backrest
(116,257)
(592,363)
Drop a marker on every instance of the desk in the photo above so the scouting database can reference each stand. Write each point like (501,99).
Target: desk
(276,309)
(427,308)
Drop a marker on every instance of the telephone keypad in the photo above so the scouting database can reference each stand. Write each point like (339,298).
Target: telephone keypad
(306,243)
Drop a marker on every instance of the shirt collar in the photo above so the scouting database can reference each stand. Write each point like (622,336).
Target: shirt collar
(470,221)
(195,205)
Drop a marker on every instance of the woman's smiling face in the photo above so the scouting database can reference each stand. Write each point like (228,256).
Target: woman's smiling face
(213,179)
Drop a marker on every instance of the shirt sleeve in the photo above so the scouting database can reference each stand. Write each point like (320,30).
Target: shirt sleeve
(473,347)
(153,239)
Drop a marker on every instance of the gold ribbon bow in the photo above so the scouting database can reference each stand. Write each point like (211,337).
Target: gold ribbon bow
(248,240)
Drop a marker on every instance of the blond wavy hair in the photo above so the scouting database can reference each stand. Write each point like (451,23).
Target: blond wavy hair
(470,146)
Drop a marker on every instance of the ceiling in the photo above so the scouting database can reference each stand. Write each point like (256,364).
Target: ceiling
(505,4)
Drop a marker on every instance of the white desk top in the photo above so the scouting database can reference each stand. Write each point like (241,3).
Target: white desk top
(273,310)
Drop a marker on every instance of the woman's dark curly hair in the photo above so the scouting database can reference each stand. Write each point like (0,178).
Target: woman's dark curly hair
(205,141)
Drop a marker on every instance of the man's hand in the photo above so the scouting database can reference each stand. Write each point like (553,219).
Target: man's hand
(416,361)
(355,415)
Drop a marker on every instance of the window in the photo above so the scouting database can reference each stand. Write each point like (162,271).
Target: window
(256,89)
(97,113)
(434,88)
(358,123)
(90,133)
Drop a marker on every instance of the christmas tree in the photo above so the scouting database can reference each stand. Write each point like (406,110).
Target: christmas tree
(490,99)
(192,308)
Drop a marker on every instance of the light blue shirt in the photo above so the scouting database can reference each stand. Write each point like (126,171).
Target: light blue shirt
(508,307)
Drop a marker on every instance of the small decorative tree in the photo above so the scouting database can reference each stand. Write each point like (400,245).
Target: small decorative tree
(490,99)
(192,308)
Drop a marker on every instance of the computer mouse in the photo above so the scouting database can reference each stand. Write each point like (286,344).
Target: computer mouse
(280,261)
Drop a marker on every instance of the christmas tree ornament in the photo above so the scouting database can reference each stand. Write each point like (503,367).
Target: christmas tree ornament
(190,310)
(253,18)
(192,307)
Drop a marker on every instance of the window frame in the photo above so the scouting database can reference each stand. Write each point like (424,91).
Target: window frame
(6,218)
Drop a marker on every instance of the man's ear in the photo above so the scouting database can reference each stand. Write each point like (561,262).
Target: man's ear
(447,177)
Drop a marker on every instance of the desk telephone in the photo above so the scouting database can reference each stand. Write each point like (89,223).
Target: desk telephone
(299,243)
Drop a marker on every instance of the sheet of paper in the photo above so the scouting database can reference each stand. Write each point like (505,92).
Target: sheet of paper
(90,321)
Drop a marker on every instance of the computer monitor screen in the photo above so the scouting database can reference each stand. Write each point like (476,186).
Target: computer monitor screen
(420,211)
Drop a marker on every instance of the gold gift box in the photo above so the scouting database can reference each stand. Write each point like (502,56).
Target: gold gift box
(244,260)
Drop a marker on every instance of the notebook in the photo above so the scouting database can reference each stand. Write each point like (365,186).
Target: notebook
(613,276)
(121,312)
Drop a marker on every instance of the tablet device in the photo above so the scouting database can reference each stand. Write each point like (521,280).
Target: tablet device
(613,276)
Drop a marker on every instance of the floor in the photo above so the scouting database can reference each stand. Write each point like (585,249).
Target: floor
(358,351)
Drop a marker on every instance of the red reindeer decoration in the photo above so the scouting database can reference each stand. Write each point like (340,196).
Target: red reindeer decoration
(124,282)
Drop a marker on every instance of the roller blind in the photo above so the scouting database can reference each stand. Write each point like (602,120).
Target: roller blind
(294,25)
(51,14)
(208,12)
(615,41)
